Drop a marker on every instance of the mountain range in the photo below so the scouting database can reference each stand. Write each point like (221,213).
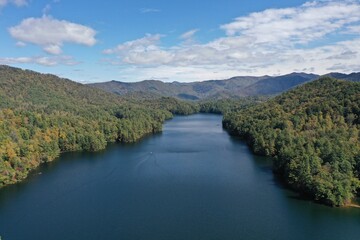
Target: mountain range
(241,86)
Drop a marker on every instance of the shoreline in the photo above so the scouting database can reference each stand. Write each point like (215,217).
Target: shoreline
(34,170)
(353,205)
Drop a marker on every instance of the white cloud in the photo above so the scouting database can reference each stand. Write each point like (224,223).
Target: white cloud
(40,60)
(53,49)
(51,34)
(138,45)
(142,51)
(46,9)
(274,41)
(307,23)
(180,73)
(353,30)
(343,57)
(20,44)
(189,34)
(18,3)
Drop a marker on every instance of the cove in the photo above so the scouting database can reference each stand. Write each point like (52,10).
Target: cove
(193,181)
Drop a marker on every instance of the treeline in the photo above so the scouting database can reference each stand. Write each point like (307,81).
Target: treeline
(223,106)
(170,104)
(312,132)
(42,115)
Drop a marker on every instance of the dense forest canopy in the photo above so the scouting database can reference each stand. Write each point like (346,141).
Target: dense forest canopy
(42,115)
(313,134)
(223,106)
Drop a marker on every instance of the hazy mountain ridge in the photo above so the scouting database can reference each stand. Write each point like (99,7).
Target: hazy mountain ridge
(354,77)
(189,91)
(240,86)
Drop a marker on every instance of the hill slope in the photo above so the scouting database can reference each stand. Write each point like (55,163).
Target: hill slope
(42,115)
(313,134)
(276,85)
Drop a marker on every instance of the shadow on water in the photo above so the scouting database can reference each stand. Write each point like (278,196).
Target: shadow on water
(85,156)
(193,181)
(265,165)
(65,160)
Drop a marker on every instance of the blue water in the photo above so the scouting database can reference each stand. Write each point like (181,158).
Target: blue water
(193,181)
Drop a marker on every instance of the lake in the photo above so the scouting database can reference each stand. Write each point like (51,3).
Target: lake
(193,181)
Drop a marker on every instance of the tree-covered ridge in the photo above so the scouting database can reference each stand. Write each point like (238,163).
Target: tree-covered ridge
(42,115)
(173,105)
(313,134)
(223,106)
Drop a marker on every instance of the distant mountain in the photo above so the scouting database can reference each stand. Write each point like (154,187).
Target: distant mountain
(275,85)
(188,91)
(354,77)
(218,89)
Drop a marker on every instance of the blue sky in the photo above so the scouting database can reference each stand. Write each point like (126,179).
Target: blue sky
(95,41)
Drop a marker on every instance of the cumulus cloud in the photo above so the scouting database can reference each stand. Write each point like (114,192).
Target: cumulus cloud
(40,60)
(53,49)
(18,3)
(274,41)
(138,45)
(353,30)
(307,23)
(51,34)
(142,51)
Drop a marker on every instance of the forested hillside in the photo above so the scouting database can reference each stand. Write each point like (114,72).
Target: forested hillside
(224,106)
(42,115)
(313,134)
(312,131)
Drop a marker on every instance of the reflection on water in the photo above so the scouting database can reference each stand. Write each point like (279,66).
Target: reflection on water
(193,181)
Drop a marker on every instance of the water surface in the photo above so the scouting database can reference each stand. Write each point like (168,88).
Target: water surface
(193,181)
